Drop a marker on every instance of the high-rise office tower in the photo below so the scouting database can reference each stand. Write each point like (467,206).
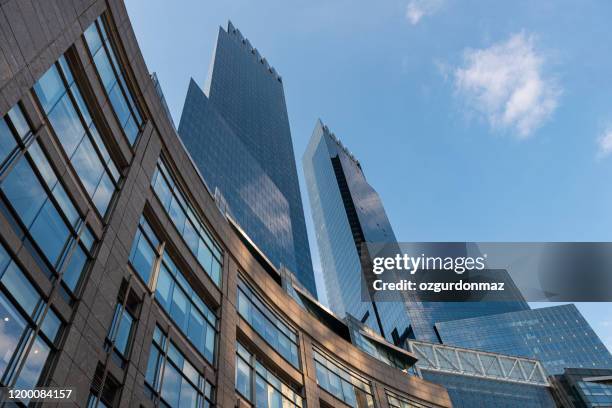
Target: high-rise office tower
(346,212)
(237,131)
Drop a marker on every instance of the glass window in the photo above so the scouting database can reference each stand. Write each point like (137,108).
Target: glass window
(113,80)
(243,378)
(153,367)
(194,232)
(71,121)
(72,273)
(186,308)
(180,385)
(275,332)
(66,124)
(12,326)
(171,386)
(163,290)
(50,88)
(179,307)
(21,312)
(88,166)
(43,207)
(24,191)
(270,391)
(34,364)
(144,253)
(20,288)
(342,383)
(121,330)
(50,232)
(122,327)
(104,193)
(19,121)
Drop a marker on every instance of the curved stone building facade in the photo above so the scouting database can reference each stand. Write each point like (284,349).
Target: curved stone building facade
(119,276)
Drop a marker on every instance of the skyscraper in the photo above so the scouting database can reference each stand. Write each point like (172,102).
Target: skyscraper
(346,212)
(237,131)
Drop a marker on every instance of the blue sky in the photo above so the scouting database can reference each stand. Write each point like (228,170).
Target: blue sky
(474,120)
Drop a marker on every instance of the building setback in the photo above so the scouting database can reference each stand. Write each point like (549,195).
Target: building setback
(119,276)
(237,131)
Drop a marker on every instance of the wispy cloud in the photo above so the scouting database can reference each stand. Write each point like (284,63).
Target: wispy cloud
(604,143)
(506,84)
(417,9)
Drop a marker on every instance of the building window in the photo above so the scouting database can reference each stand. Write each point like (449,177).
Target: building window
(342,383)
(274,331)
(172,380)
(261,387)
(105,390)
(186,308)
(29,328)
(173,292)
(190,227)
(146,250)
(113,80)
(120,334)
(36,203)
(72,123)
(379,352)
(397,401)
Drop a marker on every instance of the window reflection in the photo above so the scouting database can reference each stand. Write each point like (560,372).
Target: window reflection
(186,308)
(269,390)
(173,292)
(71,121)
(42,210)
(113,80)
(180,385)
(342,383)
(22,310)
(145,250)
(279,335)
(190,227)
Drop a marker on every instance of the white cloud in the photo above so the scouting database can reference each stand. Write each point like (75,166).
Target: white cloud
(506,84)
(417,9)
(604,143)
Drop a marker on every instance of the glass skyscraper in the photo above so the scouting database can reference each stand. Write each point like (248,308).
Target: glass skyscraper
(347,211)
(237,131)
(558,336)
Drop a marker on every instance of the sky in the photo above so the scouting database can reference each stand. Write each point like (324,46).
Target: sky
(474,120)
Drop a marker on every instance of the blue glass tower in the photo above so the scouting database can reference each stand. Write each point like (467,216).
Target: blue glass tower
(237,131)
(558,336)
(346,212)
